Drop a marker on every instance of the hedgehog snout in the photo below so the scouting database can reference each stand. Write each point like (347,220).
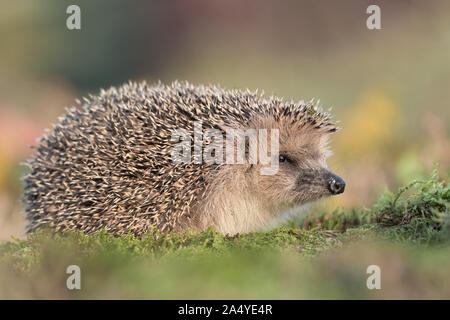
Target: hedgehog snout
(336,184)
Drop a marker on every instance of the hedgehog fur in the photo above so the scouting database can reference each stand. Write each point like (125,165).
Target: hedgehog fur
(106,164)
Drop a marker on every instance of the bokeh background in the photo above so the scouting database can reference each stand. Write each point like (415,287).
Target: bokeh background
(390,88)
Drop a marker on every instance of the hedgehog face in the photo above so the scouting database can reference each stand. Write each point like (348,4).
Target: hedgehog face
(301,178)
(303,175)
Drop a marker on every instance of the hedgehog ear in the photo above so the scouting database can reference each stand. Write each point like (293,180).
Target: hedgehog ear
(229,131)
(224,128)
(324,140)
(324,147)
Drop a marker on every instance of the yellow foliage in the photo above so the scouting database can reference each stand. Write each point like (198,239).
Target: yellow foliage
(368,124)
(5,165)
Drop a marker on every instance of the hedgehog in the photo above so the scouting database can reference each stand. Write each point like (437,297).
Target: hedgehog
(109,163)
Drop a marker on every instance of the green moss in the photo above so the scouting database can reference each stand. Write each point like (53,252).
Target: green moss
(323,257)
(417,213)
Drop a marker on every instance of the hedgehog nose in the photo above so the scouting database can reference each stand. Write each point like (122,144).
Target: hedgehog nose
(335,184)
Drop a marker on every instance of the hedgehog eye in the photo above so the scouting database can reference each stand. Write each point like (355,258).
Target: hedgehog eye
(284,158)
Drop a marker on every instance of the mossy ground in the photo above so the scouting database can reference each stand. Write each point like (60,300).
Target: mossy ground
(407,234)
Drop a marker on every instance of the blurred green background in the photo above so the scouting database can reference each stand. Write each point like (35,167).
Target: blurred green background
(389,87)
